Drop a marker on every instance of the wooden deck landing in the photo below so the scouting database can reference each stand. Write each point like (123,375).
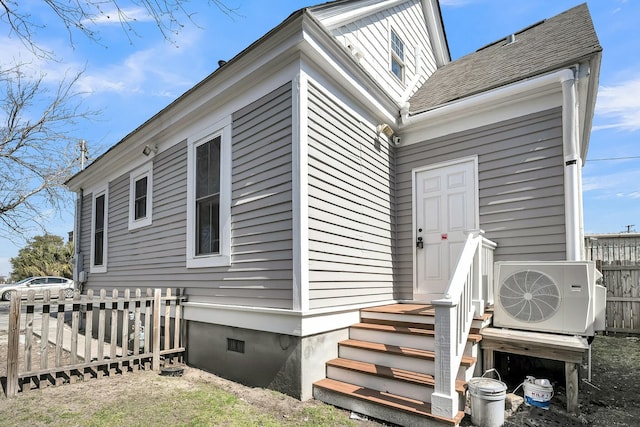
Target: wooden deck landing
(414,309)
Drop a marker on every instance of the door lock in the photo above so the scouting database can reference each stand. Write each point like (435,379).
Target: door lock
(419,243)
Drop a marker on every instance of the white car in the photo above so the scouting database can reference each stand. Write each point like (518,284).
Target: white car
(39,285)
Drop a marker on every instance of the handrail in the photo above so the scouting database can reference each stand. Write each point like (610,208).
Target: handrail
(454,314)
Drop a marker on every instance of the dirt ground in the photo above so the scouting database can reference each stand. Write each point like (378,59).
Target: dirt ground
(611,399)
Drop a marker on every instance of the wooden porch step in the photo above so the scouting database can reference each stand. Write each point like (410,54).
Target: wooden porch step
(467,361)
(419,412)
(403,375)
(413,316)
(473,338)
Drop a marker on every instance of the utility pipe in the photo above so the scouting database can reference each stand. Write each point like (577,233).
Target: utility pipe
(572,168)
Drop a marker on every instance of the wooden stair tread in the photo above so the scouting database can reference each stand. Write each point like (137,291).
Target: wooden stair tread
(475,338)
(399,403)
(391,373)
(400,351)
(416,310)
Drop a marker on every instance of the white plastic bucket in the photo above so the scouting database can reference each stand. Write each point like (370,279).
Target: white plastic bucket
(537,392)
(487,401)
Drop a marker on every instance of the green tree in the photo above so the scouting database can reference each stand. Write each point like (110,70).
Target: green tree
(46,255)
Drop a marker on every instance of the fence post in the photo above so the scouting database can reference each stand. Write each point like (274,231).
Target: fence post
(155,363)
(14,342)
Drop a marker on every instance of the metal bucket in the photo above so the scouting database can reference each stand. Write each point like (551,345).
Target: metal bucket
(487,401)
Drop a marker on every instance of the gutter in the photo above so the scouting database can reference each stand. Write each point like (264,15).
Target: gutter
(457,107)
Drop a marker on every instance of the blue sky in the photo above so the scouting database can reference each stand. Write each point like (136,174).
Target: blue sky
(130,79)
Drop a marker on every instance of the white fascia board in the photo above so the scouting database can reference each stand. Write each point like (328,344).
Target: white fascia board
(324,53)
(508,102)
(278,321)
(361,11)
(435,28)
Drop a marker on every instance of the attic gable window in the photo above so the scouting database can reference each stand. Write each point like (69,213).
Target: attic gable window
(209,199)
(397,56)
(140,196)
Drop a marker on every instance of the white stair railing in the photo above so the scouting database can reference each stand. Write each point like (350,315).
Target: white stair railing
(454,313)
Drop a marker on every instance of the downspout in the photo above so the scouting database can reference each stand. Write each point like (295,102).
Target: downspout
(572,167)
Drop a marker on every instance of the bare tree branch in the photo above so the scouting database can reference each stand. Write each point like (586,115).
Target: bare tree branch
(84,16)
(37,147)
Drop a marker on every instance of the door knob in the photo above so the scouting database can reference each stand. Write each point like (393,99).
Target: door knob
(419,243)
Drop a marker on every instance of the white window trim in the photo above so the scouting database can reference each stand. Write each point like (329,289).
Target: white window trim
(104,190)
(143,171)
(393,55)
(224,257)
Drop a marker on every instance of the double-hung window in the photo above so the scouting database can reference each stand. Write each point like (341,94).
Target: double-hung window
(140,196)
(397,56)
(99,223)
(209,199)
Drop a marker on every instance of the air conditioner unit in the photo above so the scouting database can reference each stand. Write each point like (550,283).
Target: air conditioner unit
(549,296)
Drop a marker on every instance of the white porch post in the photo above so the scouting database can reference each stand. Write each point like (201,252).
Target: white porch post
(444,400)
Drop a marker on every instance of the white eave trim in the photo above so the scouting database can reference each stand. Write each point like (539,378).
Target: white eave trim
(515,100)
(356,14)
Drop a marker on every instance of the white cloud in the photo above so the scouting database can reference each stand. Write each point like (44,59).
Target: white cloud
(618,106)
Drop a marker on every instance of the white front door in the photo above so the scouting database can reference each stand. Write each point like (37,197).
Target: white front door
(446,209)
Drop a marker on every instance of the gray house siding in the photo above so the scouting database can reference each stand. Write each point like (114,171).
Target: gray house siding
(521,187)
(261,222)
(351,208)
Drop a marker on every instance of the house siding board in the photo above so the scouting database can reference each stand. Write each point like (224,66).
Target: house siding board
(85,232)
(351,207)
(261,229)
(521,187)
(371,35)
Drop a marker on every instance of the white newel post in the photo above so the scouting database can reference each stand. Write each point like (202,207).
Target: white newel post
(444,400)
(477,284)
(477,291)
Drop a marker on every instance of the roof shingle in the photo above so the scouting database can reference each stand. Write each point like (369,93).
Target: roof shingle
(548,45)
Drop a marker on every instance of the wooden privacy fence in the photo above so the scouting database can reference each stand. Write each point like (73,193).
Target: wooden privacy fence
(51,342)
(618,259)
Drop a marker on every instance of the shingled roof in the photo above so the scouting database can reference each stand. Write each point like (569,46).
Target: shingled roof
(549,45)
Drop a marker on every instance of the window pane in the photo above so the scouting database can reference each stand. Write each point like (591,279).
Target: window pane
(98,238)
(208,197)
(100,212)
(208,168)
(141,198)
(397,45)
(396,68)
(98,248)
(208,226)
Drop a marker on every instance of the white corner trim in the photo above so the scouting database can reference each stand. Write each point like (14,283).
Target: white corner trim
(515,100)
(300,180)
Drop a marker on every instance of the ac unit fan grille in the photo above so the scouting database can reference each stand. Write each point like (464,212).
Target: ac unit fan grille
(529,296)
